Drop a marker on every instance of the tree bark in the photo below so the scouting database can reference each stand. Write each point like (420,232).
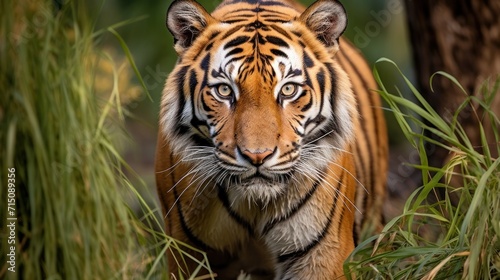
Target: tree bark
(462,38)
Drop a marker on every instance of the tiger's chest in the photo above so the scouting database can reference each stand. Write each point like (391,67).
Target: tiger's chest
(262,241)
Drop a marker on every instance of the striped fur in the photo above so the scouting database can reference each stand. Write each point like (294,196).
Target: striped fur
(271,150)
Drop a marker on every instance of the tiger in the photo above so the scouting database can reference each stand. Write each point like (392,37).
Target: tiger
(272,145)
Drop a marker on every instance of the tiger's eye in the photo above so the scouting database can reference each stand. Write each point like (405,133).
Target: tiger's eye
(224,90)
(288,90)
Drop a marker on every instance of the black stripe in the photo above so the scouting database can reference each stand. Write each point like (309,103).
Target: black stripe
(195,121)
(182,129)
(277,20)
(294,256)
(272,3)
(180,78)
(302,95)
(294,209)
(229,14)
(242,15)
(213,35)
(189,233)
(294,72)
(302,44)
(234,51)
(234,21)
(205,62)
(317,136)
(279,53)
(277,41)
(231,31)
(333,84)
(201,141)
(193,82)
(308,79)
(297,33)
(307,106)
(271,15)
(236,58)
(319,118)
(207,108)
(259,8)
(260,38)
(217,74)
(332,124)
(355,237)
(320,77)
(233,214)
(236,41)
(297,131)
(281,31)
(308,62)
(230,2)
(209,45)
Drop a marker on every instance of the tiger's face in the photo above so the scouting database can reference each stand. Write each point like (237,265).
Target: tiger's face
(257,105)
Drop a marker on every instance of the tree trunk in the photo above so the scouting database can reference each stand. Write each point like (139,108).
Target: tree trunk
(462,38)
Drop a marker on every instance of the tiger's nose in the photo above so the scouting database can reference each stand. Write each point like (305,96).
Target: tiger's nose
(257,157)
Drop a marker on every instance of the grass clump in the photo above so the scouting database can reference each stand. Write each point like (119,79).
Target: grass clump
(57,130)
(445,239)
(72,223)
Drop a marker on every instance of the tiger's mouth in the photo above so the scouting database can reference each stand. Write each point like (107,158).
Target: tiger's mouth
(268,175)
(261,184)
(259,178)
(258,175)
(259,189)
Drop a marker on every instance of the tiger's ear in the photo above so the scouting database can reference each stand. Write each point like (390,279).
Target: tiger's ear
(186,19)
(327,19)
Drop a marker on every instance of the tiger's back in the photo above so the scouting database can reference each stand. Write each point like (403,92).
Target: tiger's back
(272,150)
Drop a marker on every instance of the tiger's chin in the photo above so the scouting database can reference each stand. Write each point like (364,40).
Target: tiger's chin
(257,189)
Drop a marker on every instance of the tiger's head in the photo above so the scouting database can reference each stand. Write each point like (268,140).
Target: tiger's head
(257,101)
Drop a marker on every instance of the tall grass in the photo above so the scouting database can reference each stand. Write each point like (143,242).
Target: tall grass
(72,223)
(58,124)
(440,240)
